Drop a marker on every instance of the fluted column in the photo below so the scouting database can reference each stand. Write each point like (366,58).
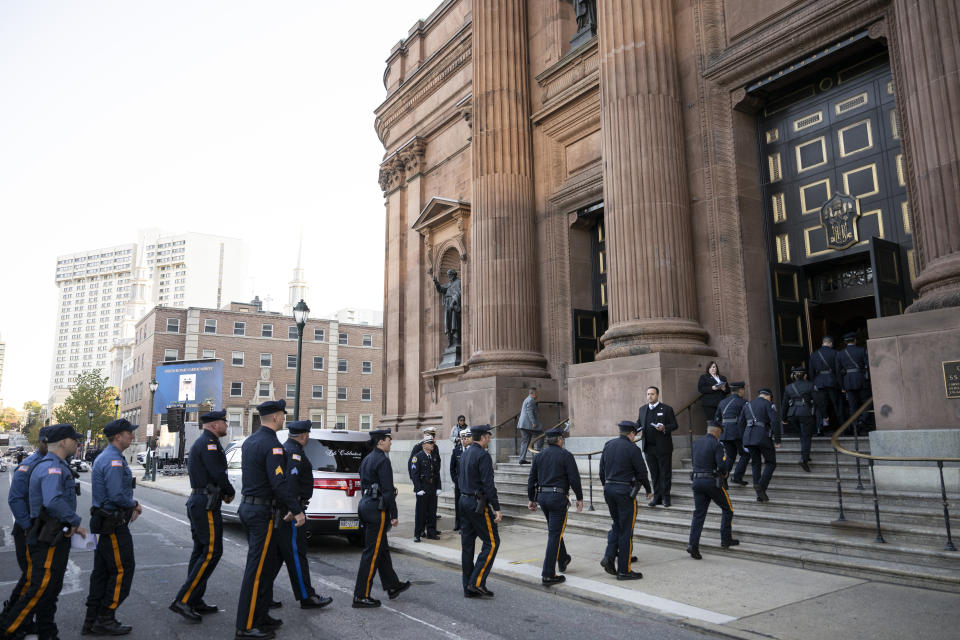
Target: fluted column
(651,290)
(506,324)
(929,96)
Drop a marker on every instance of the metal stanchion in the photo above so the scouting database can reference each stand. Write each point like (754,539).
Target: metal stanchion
(946,510)
(590,473)
(836,461)
(856,447)
(876,502)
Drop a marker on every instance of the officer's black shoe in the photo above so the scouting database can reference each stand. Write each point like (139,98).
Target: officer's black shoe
(109,626)
(763,494)
(393,593)
(654,502)
(269,623)
(365,603)
(87,627)
(254,634)
(416,538)
(629,575)
(472,592)
(740,482)
(694,553)
(666,501)
(204,608)
(733,542)
(524,462)
(563,563)
(805,465)
(633,558)
(185,611)
(315,602)
(607,564)
(433,536)
(275,604)
(552,580)
(485,592)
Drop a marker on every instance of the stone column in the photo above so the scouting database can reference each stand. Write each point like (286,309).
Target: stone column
(651,291)
(391,179)
(506,324)
(411,157)
(929,96)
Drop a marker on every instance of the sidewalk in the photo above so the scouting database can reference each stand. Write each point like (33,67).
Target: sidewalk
(720,594)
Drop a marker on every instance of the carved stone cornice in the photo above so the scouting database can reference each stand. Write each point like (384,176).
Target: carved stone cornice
(570,74)
(411,156)
(392,174)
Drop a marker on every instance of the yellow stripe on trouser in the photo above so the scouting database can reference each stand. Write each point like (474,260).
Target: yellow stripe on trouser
(26,585)
(633,520)
(33,601)
(119,563)
(376,552)
(560,541)
(727,496)
(493,547)
(256,579)
(206,561)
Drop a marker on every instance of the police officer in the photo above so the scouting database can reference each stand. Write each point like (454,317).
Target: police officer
(622,473)
(709,467)
(853,371)
(207,468)
(113,510)
(425,473)
(553,473)
(464,440)
(378,512)
(761,437)
(798,412)
(480,510)
(19,503)
(54,517)
(432,433)
(822,366)
(728,416)
(267,498)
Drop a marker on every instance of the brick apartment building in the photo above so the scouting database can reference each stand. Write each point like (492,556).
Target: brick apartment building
(340,377)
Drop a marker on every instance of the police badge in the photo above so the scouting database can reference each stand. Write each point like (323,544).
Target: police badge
(839,216)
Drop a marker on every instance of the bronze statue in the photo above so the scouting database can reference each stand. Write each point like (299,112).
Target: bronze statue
(451,293)
(586,11)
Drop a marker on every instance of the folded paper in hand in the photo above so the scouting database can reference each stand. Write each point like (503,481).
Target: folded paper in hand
(79,543)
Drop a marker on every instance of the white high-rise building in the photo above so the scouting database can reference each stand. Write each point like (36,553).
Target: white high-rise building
(3,348)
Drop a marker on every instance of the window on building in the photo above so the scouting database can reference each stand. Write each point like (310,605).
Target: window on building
(318,363)
(366,421)
(316,417)
(365,394)
(367,340)
(236,389)
(342,365)
(317,393)
(236,358)
(292,332)
(341,421)
(235,418)
(173,325)
(266,359)
(291,390)
(343,338)
(319,335)
(266,331)
(291,362)
(239,328)
(341,393)
(366,366)
(263,389)
(170,354)
(209,353)
(209,325)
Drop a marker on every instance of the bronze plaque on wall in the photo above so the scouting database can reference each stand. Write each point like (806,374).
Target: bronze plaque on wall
(951,378)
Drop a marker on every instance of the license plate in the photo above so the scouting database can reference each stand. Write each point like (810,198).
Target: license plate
(349,523)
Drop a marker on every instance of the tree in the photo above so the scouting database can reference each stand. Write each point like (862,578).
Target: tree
(90,393)
(9,419)
(32,421)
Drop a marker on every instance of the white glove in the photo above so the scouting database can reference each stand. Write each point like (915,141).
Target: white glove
(438,491)
(420,493)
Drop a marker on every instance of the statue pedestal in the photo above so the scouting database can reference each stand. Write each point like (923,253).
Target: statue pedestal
(582,37)
(451,357)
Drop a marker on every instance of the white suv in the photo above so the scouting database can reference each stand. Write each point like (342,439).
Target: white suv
(335,455)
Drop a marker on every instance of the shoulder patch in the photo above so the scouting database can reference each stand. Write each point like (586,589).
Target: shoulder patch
(55,470)
(278,451)
(294,471)
(23,467)
(295,456)
(212,447)
(116,463)
(278,471)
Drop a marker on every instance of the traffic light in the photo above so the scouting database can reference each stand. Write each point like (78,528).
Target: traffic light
(175,417)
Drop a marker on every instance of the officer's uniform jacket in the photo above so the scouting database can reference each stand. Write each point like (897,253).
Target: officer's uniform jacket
(417,448)
(728,414)
(653,440)
(798,400)
(766,422)
(264,470)
(852,368)
(554,467)
(425,472)
(17,499)
(709,456)
(476,474)
(822,367)
(529,416)
(299,470)
(455,458)
(112,481)
(53,488)
(621,462)
(376,469)
(207,464)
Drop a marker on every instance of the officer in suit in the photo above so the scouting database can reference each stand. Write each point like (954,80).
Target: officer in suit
(761,437)
(657,421)
(798,412)
(463,441)
(267,498)
(292,540)
(378,511)
(207,468)
(110,516)
(710,465)
(822,365)
(529,425)
(480,510)
(425,474)
(417,448)
(728,417)
(853,371)
(19,503)
(622,473)
(552,475)
(53,513)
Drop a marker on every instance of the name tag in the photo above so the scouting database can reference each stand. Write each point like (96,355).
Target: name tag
(295,456)
(278,451)
(212,447)
(116,463)
(55,470)
(660,414)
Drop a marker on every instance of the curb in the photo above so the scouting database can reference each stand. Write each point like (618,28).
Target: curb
(165,488)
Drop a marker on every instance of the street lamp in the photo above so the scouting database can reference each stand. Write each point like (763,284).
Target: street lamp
(300,313)
(116,407)
(89,425)
(154,385)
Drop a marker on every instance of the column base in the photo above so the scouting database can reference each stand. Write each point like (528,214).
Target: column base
(510,364)
(938,285)
(638,337)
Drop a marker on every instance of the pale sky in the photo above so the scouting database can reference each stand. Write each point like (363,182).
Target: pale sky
(240,118)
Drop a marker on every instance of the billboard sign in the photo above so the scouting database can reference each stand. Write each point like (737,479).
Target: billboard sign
(189,384)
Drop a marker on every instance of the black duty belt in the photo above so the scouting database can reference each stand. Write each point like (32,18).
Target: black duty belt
(257,500)
(703,474)
(552,489)
(629,484)
(199,492)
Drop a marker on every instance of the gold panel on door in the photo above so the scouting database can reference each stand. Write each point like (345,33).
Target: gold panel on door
(878,216)
(807,121)
(773,135)
(894,124)
(905,212)
(785,286)
(779,209)
(859,178)
(783,248)
(850,104)
(790,330)
(900,178)
(814,237)
(809,157)
(855,138)
(773,163)
(813,195)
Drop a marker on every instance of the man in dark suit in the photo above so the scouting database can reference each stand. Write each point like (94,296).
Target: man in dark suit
(853,372)
(658,423)
(822,366)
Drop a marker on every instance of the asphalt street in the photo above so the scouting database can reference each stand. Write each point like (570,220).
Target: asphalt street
(433,608)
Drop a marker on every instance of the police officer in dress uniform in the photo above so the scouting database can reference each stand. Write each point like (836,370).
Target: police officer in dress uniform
(378,512)
(798,412)
(417,448)
(622,473)
(553,473)
(853,371)
(464,440)
(710,465)
(207,468)
(657,421)
(761,436)
(110,516)
(425,473)
(822,366)
(54,518)
(480,510)
(267,498)
(292,540)
(728,417)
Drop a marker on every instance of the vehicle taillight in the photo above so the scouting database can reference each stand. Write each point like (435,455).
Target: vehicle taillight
(350,485)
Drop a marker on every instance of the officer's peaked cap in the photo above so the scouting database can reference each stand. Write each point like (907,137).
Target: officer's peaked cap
(737,385)
(555,432)
(427,439)
(479,429)
(42,434)
(763,391)
(466,432)
(299,426)
(850,336)
(626,426)
(714,424)
(379,434)
(271,406)
(115,427)
(59,432)
(799,369)
(213,416)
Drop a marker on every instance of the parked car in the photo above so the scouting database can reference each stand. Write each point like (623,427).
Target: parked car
(79,465)
(335,455)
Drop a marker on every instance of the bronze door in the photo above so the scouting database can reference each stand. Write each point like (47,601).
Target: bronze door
(789,287)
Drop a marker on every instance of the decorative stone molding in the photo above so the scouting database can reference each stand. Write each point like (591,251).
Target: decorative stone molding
(878,30)
(579,67)
(392,173)
(411,156)
(435,222)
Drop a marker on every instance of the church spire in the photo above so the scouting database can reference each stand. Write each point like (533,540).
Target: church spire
(297,287)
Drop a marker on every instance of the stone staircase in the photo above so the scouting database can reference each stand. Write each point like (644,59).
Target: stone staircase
(798,527)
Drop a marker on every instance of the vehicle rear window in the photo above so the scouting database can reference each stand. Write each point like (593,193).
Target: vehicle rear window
(336,455)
